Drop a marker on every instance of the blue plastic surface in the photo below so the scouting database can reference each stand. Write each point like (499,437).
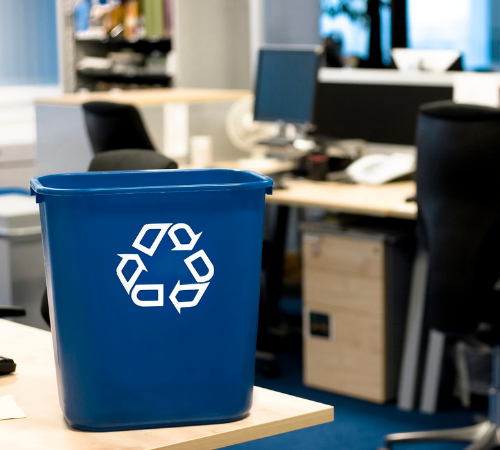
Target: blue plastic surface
(124,359)
(14,190)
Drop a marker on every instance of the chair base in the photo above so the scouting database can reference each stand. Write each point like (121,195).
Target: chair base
(483,436)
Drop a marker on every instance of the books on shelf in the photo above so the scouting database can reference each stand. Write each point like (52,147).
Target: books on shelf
(132,20)
(154,18)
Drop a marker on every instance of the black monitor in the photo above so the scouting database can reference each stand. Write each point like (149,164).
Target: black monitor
(286,84)
(375,112)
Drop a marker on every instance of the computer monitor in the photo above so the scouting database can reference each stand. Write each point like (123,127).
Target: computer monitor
(286,85)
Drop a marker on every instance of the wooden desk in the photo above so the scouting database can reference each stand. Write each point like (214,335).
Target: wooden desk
(388,200)
(149,97)
(35,391)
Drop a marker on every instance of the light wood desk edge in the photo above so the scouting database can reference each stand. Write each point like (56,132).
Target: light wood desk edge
(34,389)
(286,425)
(388,200)
(148,97)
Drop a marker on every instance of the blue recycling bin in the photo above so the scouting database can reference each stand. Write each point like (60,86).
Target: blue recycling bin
(153,281)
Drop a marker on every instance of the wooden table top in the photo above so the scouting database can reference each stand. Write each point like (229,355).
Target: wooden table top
(149,97)
(387,200)
(34,388)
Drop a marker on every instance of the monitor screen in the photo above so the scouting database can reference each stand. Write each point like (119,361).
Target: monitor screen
(286,84)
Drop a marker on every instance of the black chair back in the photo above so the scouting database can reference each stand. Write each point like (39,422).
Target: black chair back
(114,160)
(458,194)
(113,126)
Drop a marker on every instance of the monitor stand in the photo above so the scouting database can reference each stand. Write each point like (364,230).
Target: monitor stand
(280,140)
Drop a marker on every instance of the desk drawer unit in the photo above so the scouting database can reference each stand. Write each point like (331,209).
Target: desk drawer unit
(355,291)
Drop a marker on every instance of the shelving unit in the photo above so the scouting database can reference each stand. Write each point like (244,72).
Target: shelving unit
(94,79)
(116,44)
(215,42)
(74,48)
(140,78)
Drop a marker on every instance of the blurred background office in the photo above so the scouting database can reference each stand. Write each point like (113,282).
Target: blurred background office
(344,258)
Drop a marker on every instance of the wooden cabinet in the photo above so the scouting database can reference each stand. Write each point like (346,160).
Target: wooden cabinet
(355,291)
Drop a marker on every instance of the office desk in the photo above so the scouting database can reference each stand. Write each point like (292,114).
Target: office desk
(388,200)
(35,391)
(170,116)
(152,97)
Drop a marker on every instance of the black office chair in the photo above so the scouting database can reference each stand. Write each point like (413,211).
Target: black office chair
(113,126)
(7,365)
(114,160)
(458,196)
(130,159)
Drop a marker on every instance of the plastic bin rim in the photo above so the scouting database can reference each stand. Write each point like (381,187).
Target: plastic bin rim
(261,182)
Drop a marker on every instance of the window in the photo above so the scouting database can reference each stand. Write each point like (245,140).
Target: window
(28,42)
(355,34)
(463,25)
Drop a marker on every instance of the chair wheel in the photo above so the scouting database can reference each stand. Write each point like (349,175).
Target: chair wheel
(270,369)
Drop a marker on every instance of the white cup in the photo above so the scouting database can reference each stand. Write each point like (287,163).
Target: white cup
(201,151)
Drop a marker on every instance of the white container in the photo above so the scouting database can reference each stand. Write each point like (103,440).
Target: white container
(22,275)
(201,148)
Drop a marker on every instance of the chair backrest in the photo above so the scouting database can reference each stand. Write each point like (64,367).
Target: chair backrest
(113,126)
(458,194)
(130,160)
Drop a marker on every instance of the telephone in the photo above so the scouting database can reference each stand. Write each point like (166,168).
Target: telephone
(379,168)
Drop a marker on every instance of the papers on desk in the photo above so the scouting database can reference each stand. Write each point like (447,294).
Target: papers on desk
(9,408)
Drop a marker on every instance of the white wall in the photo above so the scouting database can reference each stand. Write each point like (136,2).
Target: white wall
(212,42)
(291,21)
(28,42)
(217,40)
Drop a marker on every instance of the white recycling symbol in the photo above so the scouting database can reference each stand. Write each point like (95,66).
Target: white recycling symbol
(202,280)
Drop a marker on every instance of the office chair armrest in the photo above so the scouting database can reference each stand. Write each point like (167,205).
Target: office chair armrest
(12,311)
(411,199)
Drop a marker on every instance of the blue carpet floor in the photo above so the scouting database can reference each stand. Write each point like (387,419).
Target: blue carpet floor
(358,425)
